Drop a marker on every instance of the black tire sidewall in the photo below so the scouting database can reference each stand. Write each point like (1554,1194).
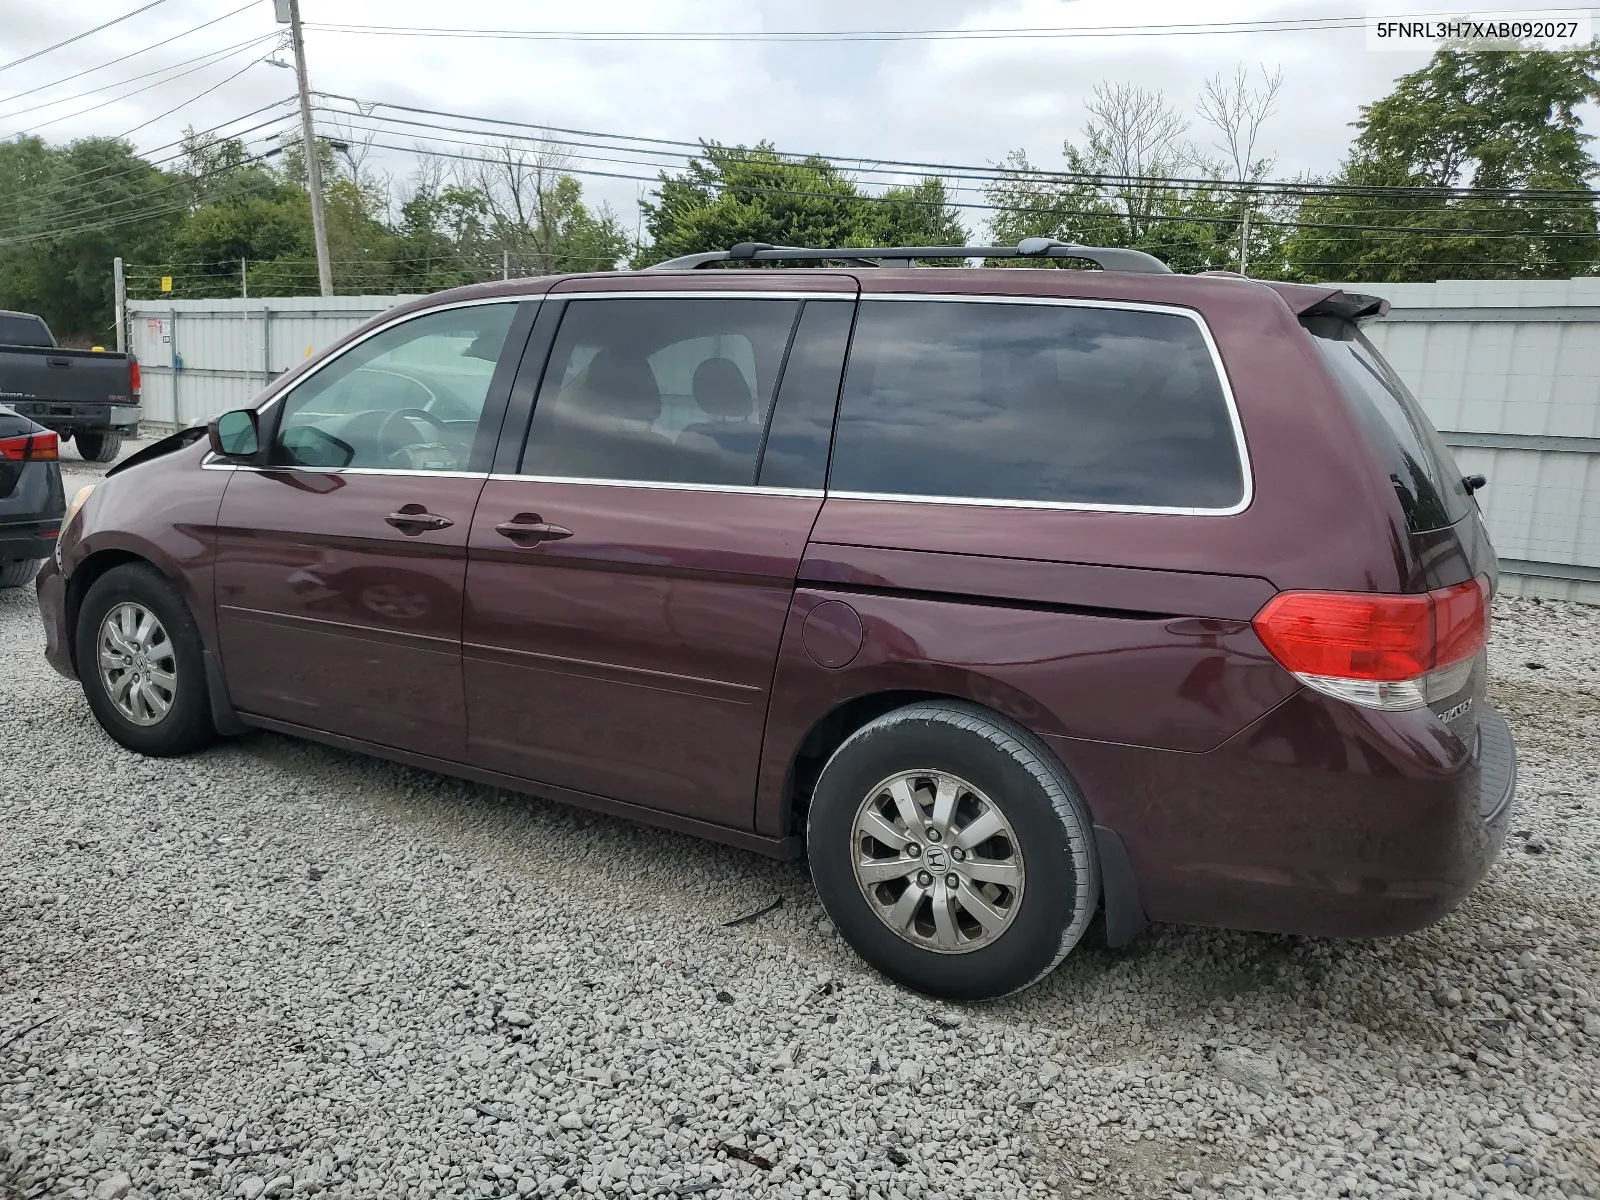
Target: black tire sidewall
(1033,943)
(18,572)
(187,725)
(99,447)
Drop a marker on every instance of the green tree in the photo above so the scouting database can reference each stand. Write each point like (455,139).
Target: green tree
(1481,120)
(65,213)
(733,194)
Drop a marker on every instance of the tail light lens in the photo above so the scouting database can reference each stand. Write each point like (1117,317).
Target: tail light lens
(1381,651)
(135,383)
(31,447)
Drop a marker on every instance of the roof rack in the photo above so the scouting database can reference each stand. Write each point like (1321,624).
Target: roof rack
(1106,258)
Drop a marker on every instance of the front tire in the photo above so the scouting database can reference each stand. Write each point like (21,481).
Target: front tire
(18,571)
(142,663)
(953,851)
(99,447)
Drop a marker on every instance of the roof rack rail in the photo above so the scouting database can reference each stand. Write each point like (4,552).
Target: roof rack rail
(1106,258)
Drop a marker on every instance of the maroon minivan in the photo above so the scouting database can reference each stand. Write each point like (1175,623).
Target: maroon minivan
(1007,596)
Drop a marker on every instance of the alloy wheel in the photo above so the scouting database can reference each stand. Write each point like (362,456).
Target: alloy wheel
(138,668)
(937,861)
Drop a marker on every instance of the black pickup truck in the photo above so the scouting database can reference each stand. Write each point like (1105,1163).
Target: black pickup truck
(88,395)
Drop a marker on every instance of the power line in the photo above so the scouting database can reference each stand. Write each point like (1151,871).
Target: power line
(78,37)
(191,100)
(215,57)
(991,177)
(1287,187)
(130,54)
(148,159)
(179,184)
(1279,25)
(1045,210)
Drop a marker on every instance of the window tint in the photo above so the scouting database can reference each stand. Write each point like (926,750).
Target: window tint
(408,398)
(801,429)
(20,329)
(672,390)
(1420,465)
(1034,402)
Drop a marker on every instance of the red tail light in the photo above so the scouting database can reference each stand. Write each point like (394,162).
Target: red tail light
(1382,650)
(135,383)
(31,447)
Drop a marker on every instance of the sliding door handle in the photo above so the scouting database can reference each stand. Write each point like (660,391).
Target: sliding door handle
(530,529)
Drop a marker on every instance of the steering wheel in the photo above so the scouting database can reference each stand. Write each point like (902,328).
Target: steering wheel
(401,414)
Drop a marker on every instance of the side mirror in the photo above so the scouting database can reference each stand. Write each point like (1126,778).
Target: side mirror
(234,434)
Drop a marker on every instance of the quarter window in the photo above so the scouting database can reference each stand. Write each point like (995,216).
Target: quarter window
(1035,402)
(671,391)
(408,398)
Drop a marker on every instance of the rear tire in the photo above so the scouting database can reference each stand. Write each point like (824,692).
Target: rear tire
(999,882)
(99,447)
(18,571)
(142,663)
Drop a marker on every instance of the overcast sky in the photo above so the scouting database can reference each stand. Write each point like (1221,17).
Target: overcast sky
(966,101)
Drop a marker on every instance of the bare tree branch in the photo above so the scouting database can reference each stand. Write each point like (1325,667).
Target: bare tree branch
(1135,134)
(1236,110)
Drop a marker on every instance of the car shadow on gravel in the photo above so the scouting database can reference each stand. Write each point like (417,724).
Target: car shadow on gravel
(1179,975)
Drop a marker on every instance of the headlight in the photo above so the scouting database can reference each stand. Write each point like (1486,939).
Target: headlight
(72,511)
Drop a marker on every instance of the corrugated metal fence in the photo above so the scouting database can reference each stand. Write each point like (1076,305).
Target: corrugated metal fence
(1508,370)
(202,357)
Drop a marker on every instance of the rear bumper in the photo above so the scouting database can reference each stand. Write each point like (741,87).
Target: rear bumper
(51,587)
(1321,819)
(28,539)
(31,511)
(67,417)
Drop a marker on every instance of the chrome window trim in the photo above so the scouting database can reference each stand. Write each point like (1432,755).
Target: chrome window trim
(388,325)
(211,463)
(738,489)
(1246,468)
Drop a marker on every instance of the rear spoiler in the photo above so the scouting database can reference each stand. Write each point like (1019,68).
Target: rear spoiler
(1315,300)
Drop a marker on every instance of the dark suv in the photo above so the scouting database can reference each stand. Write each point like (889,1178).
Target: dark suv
(1006,595)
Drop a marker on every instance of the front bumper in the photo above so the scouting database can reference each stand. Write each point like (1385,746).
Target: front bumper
(51,587)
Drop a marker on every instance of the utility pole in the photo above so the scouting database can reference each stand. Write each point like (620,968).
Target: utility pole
(319,222)
(1244,237)
(119,285)
(244,279)
(505,264)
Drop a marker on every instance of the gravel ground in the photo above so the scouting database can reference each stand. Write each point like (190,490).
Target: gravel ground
(278,969)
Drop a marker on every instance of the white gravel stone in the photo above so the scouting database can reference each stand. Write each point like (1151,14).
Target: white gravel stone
(346,1031)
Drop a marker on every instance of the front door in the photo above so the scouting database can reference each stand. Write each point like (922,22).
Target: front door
(628,581)
(341,560)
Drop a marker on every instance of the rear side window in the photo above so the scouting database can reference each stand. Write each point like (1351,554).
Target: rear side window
(1421,467)
(1035,402)
(659,390)
(19,329)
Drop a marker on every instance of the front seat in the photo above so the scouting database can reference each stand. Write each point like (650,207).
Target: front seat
(724,449)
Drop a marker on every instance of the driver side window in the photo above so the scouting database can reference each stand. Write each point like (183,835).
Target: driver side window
(408,398)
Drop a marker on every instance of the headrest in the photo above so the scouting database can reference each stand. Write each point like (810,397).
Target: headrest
(619,383)
(720,389)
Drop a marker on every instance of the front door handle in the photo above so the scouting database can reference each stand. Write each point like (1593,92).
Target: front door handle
(530,528)
(413,518)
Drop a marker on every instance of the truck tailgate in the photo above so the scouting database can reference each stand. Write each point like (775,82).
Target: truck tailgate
(33,375)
